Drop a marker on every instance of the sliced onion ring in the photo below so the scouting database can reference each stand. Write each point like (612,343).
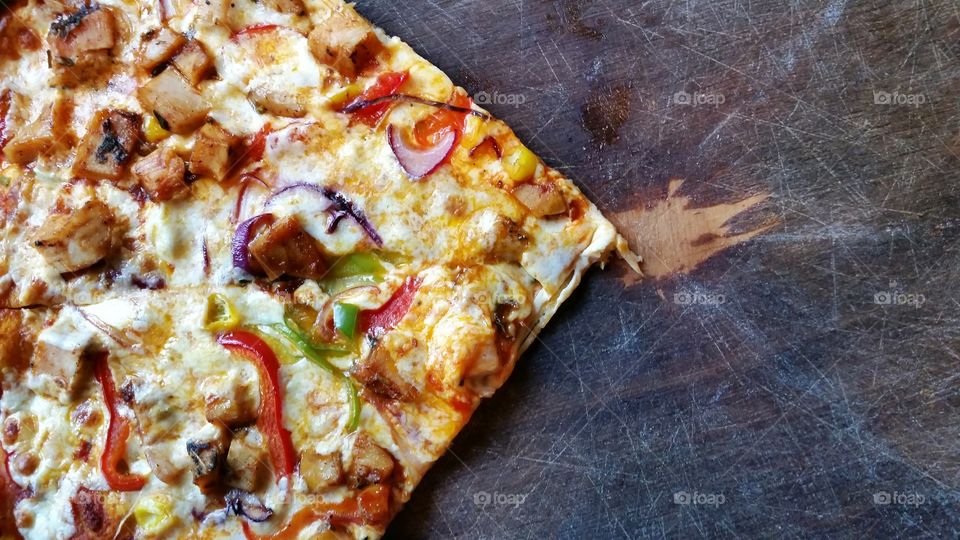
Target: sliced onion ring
(419,163)
(242,238)
(246,504)
(341,206)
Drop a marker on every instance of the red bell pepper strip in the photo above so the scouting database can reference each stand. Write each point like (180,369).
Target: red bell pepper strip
(386,84)
(429,131)
(389,314)
(4,110)
(270,420)
(118,431)
(369,507)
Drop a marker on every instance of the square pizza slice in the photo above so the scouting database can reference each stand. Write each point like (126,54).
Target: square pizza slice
(259,263)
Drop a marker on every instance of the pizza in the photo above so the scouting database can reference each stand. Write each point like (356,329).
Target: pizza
(259,263)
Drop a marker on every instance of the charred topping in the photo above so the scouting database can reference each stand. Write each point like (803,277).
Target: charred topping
(64,24)
(161,120)
(205,456)
(110,145)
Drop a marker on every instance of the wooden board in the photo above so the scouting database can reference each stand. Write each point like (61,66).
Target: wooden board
(800,379)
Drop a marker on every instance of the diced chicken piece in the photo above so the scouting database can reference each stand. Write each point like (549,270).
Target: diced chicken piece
(193,62)
(247,462)
(292,7)
(320,470)
(280,103)
(162,174)
(369,464)
(56,363)
(211,152)
(80,44)
(159,46)
(77,240)
(495,237)
(230,400)
(59,364)
(112,137)
(378,372)
(345,42)
(160,418)
(284,248)
(542,201)
(173,100)
(208,451)
(48,133)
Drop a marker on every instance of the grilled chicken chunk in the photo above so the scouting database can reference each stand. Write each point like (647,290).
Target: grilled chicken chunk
(208,451)
(229,400)
(162,174)
(211,152)
(159,45)
(283,103)
(45,135)
(80,45)
(542,201)
(77,240)
(378,372)
(320,471)
(369,464)
(159,421)
(246,461)
(173,100)
(284,248)
(345,42)
(193,62)
(112,137)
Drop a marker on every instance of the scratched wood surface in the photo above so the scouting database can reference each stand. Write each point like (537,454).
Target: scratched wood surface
(802,382)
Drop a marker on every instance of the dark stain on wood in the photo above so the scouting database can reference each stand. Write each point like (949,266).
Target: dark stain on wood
(605,112)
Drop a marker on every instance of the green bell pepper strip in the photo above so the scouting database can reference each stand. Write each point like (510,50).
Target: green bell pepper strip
(345,319)
(357,264)
(292,333)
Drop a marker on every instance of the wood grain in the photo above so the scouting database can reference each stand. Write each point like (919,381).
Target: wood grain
(808,376)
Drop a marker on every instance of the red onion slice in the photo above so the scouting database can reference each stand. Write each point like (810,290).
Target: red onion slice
(340,207)
(420,163)
(242,238)
(248,505)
